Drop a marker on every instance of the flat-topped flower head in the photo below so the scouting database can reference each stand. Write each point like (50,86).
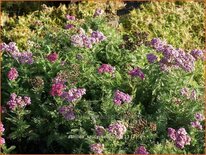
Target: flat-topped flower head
(118,129)
(106,68)
(67,112)
(141,150)
(73,94)
(57,89)
(97,148)
(151,58)
(69,17)
(136,72)
(120,98)
(100,130)
(52,57)
(12,74)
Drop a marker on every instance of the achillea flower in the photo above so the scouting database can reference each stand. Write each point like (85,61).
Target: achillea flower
(173,57)
(106,68)
(188,93)
(185,92)
(151,58)
(180,137)
(57,89)
(197,54)
(67,112)
(197,125)
(12,74)
(98,12)
(52,57)
(193,95)
(141,150)
(73,94)
(1,128)
(136,72)
(83,40)
(118,129)
(97,148)
(26,58)
(100,130)
(199,117)
(69,26)
(2,141)
(120,98)
(70,17)
(18,101)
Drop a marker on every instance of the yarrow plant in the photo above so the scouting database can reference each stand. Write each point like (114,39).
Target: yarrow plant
(97,148)
(2,140)
(180,137)
(52,57)
(57,89)
(25,57)
(198,118)
(141,150)
(99,130)
(120,98)
(174,57)
(137,72)
(67,112)
(73,94)
(18,101)
(118,129)
(106,68)
(12,74)
(151,58)
(82,40)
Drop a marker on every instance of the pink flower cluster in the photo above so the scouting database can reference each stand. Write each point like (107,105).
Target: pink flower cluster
(136,72)
(106,68)
(188,94)
(18,101)
(57,89)
(180,137)
(73,94)
(52,57)
(141,150)
(100,130)
(98,12)
(12,74)
(120,98)
(82,40)
(2,140)
(172,57)
(70,17)
(118,129)
(97,148)
(67,112)
(198,118)
(12,49)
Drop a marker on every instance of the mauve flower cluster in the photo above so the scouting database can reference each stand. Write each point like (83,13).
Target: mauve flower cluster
(118,129)
(98,12)
(106,68)
(82,40)
(97,148)
(67,112)
(172,57)
(69,26)
(136,72)
(151,58)
(73,94)
(188,94)
(70,17)
(141,150)
(120,98)
(197,54)
(18,101)
(180,137)
(57,89)
(12,74)
(100,130)
(2,140)
(198,118)
(52,57)
(12,49)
